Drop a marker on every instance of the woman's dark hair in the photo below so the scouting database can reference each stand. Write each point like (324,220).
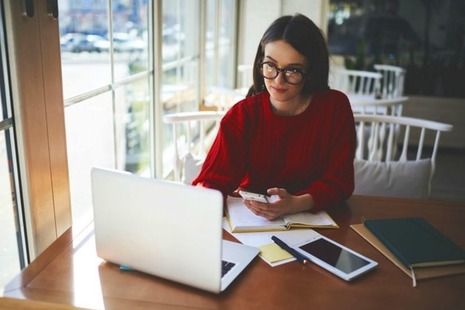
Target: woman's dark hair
(306,38)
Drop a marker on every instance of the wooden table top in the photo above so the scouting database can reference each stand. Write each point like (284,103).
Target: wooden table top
(69,272)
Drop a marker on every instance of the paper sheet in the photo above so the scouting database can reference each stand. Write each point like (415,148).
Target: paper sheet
(268,251)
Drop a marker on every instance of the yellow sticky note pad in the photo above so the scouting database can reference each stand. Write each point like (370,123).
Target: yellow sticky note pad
(273,253)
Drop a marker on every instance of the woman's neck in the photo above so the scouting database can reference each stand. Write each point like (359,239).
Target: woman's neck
(291,107)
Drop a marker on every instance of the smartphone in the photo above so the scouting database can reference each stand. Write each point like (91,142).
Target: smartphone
(254,196)
(336,258)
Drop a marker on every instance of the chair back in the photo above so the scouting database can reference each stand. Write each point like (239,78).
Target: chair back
(392,83)
(364,91)
(396,155)
(222,98)
(192,134)
(369,105)
(356,82)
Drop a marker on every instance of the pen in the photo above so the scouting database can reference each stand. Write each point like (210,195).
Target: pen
(287,248)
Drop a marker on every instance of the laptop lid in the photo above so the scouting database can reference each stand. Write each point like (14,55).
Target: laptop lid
(166,229)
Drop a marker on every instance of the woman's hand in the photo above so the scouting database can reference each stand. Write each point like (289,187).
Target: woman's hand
(285,204)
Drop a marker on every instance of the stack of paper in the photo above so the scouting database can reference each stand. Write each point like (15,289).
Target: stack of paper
(270,252)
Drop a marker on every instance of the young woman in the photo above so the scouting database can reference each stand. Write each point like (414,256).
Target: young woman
(293,137)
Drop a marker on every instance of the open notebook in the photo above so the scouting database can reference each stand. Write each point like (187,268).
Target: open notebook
(166,229)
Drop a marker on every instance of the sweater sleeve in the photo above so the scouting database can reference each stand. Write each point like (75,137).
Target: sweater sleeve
(225,163)
(337,179)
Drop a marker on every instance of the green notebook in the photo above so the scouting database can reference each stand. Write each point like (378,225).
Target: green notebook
(415,242)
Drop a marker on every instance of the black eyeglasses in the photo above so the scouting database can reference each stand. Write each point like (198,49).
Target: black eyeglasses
(291,75)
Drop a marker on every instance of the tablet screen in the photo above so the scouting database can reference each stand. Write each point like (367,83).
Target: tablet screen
(335,256)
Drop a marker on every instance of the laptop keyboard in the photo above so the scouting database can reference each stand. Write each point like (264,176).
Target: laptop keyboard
(225,267)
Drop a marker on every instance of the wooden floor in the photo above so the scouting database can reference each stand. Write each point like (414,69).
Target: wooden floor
(448,182)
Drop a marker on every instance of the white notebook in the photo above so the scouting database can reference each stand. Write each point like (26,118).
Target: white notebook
(241,219)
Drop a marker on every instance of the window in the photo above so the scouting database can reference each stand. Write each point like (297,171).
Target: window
(13,255)
(205,72)
(180,78)
(119,80)
(427,38)
(220,44)
(107,85)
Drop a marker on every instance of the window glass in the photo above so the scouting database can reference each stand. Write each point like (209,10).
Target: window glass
(180,55)
(129,40)
(220,51)
(227,47)
(13,254)
(106,135)
(133,126)
(9,254)
(183,83)
(90,136)
(106,83)
(180,60)
(109,92)
(427,38)
(85,57)
(220,43)
(210,43)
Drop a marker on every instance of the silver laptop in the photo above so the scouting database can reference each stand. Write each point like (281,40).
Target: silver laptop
(166,229)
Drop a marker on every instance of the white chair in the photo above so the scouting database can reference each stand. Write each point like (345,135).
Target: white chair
(370,105)
(356,82)
(192,133)
(222,98)
(363,89)
(384,167)
(392,83)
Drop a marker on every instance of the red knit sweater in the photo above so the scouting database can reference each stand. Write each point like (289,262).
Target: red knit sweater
(312,152)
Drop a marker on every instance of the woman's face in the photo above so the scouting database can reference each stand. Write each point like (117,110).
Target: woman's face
(281,55)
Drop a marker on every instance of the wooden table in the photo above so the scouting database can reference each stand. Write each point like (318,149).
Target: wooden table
(69,272)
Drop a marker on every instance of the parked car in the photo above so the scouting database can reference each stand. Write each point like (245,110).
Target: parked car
(123,42)
(78,42)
